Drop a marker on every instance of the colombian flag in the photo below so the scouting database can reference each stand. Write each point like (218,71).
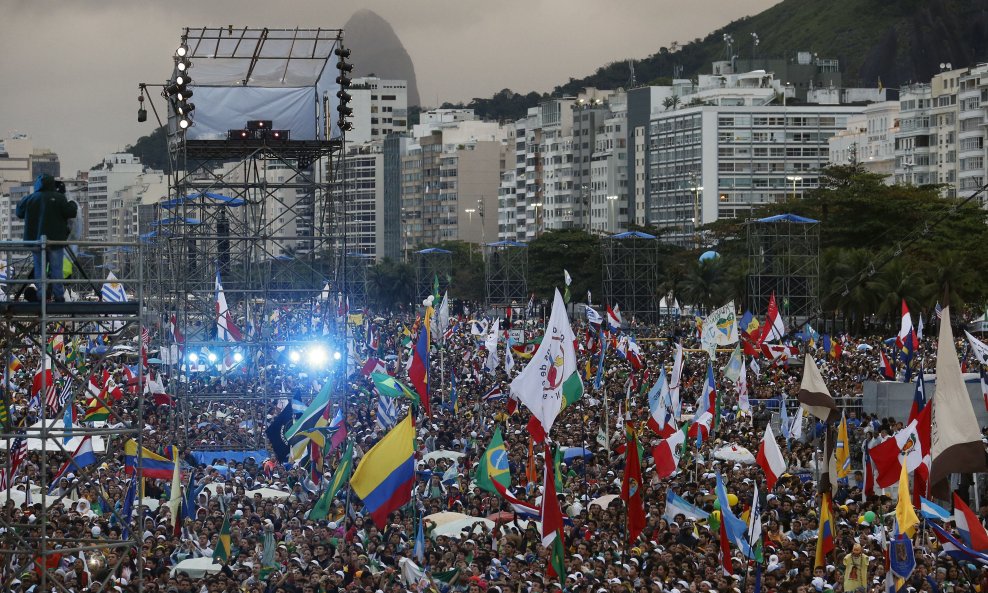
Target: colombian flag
(385,476)
(825,535)
(154,466)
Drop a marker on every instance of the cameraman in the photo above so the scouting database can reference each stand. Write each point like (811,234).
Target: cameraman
(46,213)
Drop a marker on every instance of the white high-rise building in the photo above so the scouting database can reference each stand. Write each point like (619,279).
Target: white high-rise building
(869,140)
(117,172)
(380,108)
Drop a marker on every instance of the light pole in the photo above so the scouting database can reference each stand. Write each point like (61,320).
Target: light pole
(537,205)
(612,222)
(697,190)
(794,179)
(470,212)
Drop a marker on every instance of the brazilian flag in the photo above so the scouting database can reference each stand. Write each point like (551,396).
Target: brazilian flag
(388,386)
(221,555)
(340,477)
(493,466)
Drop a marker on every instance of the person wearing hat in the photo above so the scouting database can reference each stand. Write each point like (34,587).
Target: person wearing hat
(855,570)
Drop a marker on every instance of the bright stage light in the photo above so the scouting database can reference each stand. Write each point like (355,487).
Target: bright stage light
(193,357)
(238,357)
(182,51)
(316,356)
(337,355)
(294,356)
(184,123)
(211,357)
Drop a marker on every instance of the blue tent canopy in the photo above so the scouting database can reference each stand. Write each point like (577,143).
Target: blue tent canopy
(225,200)
(432,250)
(632,235)
(175,219)
(507,244)
(788,218)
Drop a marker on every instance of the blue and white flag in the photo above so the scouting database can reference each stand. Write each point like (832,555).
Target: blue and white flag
(677,505)
(113,291)
(387,412)
(931,510)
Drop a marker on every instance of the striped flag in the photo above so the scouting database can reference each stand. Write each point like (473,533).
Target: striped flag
(495,394)
(939,310)
(113,291)
(226,330)
(387,412)
(17,455)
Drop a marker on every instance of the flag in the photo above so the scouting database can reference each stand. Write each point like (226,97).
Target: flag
(735,528)
(154,466)
(14,364)
(599,377)
(418,550)
(387,412)
(657,411)
(905,515)
(706,406)
(955,433)
(321,509)
(128,508)
(418,372)
(67,424)
(312,412)
(614,318)
(494,394)
(593,317)
(770,458)
(113,291)
(226,329)
(96,412)
(276,433)
(557,556)
(552,375)
(675,382)
(775,326)
(724,550)
(551,515)
(919,396)
(825,532)
(903,448)
(631,491)
(385,476)
(666,454)
(979,348)
(388,386)
(842,451)
(190,505)
(83,456)
(885,367)
(744,404)
(968,525)
(956,549)
(175,493)
(18,451)
(720,328)
(906,338)
(677,505)
(755,525)
(931,510)
(813,393)
(493,466)
(221,553)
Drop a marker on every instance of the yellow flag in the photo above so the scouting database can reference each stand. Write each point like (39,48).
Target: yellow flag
(905,514)
(842,452)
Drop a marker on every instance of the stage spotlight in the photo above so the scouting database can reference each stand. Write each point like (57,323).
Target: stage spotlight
(294,356)
(345,125)
(342,52)
(193,357)
(185,108)
(183,80)
(183,65)
(172,89)
(182,51)
(211,357)
(343,81)
(345,111)
(316,356)
(344,67)
(184,123)
(184,95)
(337,355)
(343,96)
(238,357)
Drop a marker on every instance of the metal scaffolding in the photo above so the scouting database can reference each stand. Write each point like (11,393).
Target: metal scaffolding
(432,264)
(507,273)
(784,259)
(72,341)
(631,274)
(355,275)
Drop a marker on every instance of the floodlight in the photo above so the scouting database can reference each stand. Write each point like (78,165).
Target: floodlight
(343,96)
(294,356)
(342,52)
(344,67)
(182,51)
(316,355)
(238,357)
(211,357)
(172,89)
(183,65)
(184,95)
(337,355)
(184,123)
(345,125)
(345,111)
(343,81)
(185,108)
(193,357)
(183,80)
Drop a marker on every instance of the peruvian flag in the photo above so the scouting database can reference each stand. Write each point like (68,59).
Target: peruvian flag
(906,446)
(775,326)
(779,354)
(666,454)
(770,458)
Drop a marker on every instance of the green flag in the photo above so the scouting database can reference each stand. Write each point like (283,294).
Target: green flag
(340,477)
(557,474)
(557,559)
(435,289)
(493,466)
(221,555)
(388,386)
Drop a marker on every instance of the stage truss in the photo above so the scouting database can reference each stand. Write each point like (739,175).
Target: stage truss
(430,265)
(507,273)
(631,274)
(784,258)
(70,331)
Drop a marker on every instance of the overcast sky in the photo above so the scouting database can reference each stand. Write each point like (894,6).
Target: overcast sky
(70,68)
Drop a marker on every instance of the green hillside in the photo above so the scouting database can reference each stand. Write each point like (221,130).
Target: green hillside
(897,41)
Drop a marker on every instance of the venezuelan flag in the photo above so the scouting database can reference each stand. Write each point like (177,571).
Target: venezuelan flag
(155,466)
(825,535)
(386,474)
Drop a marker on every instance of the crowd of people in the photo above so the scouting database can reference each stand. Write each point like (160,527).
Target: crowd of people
(275,547)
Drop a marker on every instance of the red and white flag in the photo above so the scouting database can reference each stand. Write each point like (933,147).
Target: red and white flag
(770,458)
(667,452)
(775,326)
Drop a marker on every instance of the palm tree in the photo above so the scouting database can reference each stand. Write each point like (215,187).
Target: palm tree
(706,284)
(671,103)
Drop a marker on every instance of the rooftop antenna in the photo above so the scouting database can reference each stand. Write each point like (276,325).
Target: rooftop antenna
(632,83)
(729,43)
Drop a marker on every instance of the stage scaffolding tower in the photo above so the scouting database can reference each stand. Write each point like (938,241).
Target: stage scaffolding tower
(250,209)
(69,332)
(430,265)
(507,273)
(631,274)
(784,259)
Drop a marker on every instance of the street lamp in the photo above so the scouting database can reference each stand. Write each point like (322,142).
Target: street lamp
(470,212)
(794,179)
(697,190)
(611,200)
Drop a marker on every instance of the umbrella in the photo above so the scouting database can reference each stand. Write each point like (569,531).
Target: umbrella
(455,528)
(603,501)
(735,453)
(196,567)
(442,454)
(574,452)
(863,347)
(501,516)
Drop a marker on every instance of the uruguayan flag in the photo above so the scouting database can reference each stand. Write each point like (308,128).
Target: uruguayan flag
(113,291)
(931,510)
(387,412)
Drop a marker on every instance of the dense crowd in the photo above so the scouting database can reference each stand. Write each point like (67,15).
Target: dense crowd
(276,548)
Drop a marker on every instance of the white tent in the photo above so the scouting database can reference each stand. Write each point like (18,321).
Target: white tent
(196,567)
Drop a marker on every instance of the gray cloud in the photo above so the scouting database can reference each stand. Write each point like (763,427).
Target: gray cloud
(72,67)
